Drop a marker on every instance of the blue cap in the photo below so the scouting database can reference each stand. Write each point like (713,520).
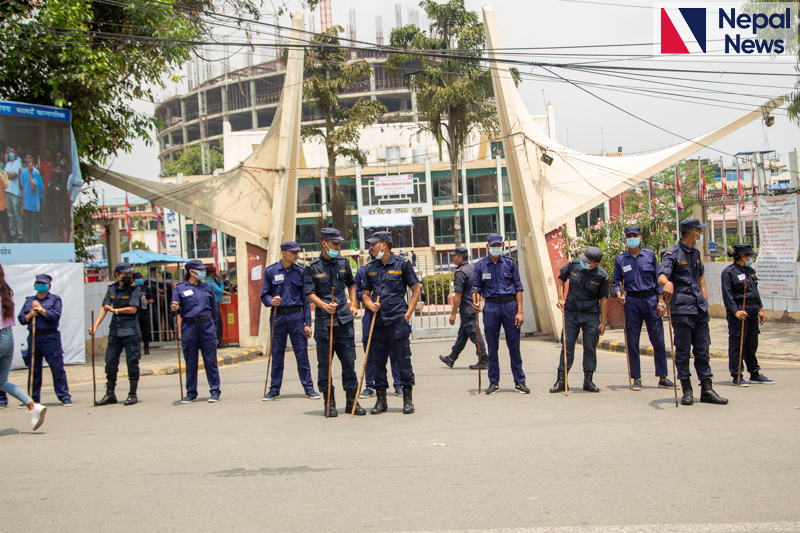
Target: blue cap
(741,249)
(592,253)
(495,238)
(289,246)
(460,250)
(332,234)
(137,275)
(194,264)
(123,268)
(44,278)
(633,229)
(691,223)
(378,236)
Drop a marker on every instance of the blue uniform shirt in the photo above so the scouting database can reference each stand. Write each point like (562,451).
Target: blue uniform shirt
(389,281)
(288,284)
(195,301)
(51,303)
(317,279)
(462,283)
(586,287)
(640,273)
(127,296)
(496,279)
(683,267)
(733,278)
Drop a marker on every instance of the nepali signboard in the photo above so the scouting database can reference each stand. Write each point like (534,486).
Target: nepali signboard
(780,239)
(394,185)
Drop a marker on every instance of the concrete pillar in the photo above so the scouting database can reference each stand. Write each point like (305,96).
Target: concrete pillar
(359,203)
(551,121)
(183,122)
(372,84)
(429,198)
(224,93)
(465,203)
(253,113)
(324,191)
(501,223)
(113,246)
(414,106)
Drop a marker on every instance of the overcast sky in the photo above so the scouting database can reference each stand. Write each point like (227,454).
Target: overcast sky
(584,122)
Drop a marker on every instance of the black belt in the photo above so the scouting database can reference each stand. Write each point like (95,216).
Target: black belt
(43,332)
(641,294)
(752,301)
(288,310)
(198,320)
(500,299)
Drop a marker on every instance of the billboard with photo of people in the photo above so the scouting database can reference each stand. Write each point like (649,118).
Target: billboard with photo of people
(40,179)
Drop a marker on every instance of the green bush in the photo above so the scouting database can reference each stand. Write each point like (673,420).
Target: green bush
(437,288)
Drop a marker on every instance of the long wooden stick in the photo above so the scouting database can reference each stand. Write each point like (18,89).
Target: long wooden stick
(741,337)
(627,353)
(476,300)
(269,350)
(564,345)
(177,330)
(672,349)
(330,360)
(94,377)
(366,356)
(33,359)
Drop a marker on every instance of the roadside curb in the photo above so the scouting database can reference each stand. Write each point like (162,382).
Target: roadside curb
(222,360)
(619,346)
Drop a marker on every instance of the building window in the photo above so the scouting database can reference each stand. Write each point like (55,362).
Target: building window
(506,188)
(309,199)
(497,149)
(511,226)
(421,238)
(482,226)
(444,230)
(349,190)
(482,189)
(308,237)
(442,191)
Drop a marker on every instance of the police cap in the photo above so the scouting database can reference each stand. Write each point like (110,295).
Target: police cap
(633,229)
(44,278)
(332,234)
(290,246)
(379,236)
(194,264)
(494,238)
(592,253)
(123,268)
(691,223)
(744,249)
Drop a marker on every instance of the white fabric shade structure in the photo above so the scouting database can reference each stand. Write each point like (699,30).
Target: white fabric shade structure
(386,221)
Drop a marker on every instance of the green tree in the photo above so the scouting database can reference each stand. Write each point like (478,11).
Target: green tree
(127,246)
(189,163)
(329,72)
(453,93)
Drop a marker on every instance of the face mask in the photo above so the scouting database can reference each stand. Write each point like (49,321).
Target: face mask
(139,281)
(127,280)
(700,238)
(11,157)
(41,288)
(585,265)
(749,262)
(379,255)
(496,251)
(633,242)
(200,275)
(333,253)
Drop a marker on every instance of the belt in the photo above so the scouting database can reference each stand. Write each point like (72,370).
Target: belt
(500,299)
(288,310)
(752,301)
(43,332)
(641,294)
(198,320)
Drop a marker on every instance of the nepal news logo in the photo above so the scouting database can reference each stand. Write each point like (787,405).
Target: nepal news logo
(750,29)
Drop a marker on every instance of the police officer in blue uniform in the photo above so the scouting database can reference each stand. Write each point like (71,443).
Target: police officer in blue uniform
(389,276)
(366,323)
(585,309)
(462,303)
(282,292)
(496,279)
(682,277)
(733,282)
(145,303)
(327,271)
(121,300)
(195,304)
(643,301)
(46,307)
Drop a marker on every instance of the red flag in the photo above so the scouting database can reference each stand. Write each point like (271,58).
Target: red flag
(194,230)
(652,194)
(678,200)
(622,204)
(214,252)
(128,221)
(702,180)
(739,182)
(753,178)
(161,244)
(723,180)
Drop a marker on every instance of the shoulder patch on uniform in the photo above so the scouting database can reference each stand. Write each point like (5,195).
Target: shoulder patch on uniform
(683,262)
(395,272)
(373,273)
(322,275)
(342,271)
(668,252)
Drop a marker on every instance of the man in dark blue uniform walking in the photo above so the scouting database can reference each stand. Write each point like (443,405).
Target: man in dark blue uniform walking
(462,303)
(194,303)
(122,300)
(585,309)
(643,301)
(46,307)
(282,291)
(496,279)
(744,320)
(389,276)
(682,277)
(327,271)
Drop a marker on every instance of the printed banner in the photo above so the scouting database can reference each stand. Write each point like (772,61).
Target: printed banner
(780,239)
(394,185)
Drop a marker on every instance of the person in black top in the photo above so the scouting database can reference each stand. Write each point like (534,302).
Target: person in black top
(462,302)
(146,301)
(733,283)
(122,300)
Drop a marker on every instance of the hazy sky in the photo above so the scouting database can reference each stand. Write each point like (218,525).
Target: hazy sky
(579,115)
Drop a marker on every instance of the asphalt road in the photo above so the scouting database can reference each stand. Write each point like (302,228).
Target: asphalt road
(462,462)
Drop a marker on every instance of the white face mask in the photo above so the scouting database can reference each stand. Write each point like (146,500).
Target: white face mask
(495,251)
(699,238)
(379,255)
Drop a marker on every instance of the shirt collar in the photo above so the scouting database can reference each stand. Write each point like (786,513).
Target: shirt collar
(685,248)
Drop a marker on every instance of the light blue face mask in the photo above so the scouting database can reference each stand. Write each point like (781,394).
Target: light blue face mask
(138,281)
(495,251)
(633,242)
(201,275)
(11,156)
(749,262)
(585,265)
(700,238)
(379,255)
(41,288)
(333,253)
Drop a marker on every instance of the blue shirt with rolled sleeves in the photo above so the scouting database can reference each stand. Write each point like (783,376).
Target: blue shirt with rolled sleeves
(318,278)
(639,273)
(288,284)
(390,282)
(492,279)
(586,287)
(683,267)
(195,301)
(120,298)
(52,305)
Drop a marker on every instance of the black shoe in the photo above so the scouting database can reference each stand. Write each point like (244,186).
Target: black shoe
(492,388)
(132,399)
(408,405)
(380,405)
(447,359)
(484,366)
(110,397)
(688,397)
(332,413)
(147,350)
(707,394)
(588,386)
(522,388)
(350,396)
(559,384)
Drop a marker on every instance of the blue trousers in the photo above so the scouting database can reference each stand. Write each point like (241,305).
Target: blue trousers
(290,326)
(692,337)
(48,347)
(751,331)
(201,337)
(132,356)
(344,346)
(494,316)
(576,322)
(369,373)
(467,330)
(638,310)
(392,342)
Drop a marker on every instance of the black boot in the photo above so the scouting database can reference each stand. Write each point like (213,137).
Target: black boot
(484,363)
(132,399)
(147,349)
(350,395)
(688,397)
(448,360)
(588,386)
(110,397)
(408,406)
(380,406)
(707,394)
(559,385)
(332,413)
